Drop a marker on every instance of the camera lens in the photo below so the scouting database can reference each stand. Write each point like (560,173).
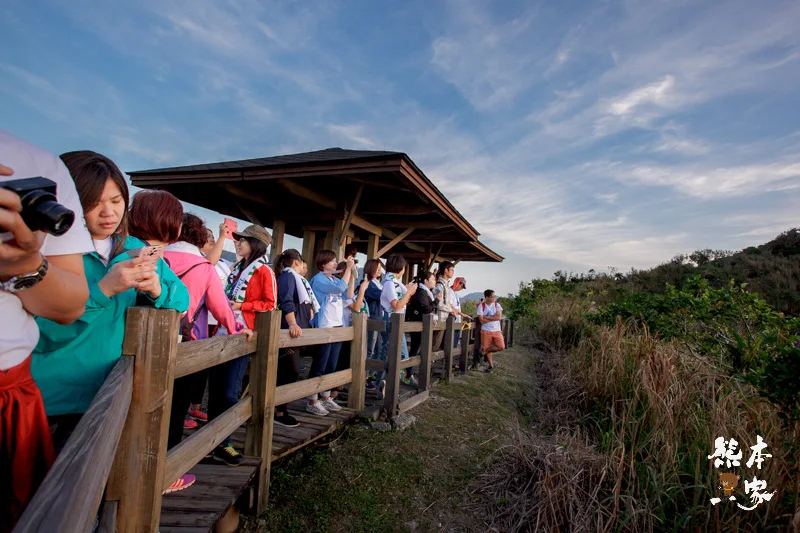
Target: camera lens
(41,212)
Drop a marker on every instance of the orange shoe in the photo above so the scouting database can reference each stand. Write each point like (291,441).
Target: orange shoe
(183,482)
(189,423)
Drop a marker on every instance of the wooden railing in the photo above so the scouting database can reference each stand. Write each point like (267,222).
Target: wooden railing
(120,444)
(69,497)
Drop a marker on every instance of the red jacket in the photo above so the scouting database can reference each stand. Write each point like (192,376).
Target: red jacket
(261,295)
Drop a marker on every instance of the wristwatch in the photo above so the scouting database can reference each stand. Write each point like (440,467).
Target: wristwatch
(26,281)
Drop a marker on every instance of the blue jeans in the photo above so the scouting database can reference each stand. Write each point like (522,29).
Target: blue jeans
(325,360)
(383,342)
(224,386)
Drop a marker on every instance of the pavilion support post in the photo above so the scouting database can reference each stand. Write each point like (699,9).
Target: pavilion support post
(137,474)
(309,240)
(278,233)
(449,335)
(392,393)
(264,375)
(373,243)
(341,237)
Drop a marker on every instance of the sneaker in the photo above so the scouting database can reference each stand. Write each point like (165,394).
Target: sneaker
(411,382)
(379,392)
(188,423)
(370,384)
(228,455)
(489,370)
(331,405)
(317,409)
(198,415)
(286,420)
(183,482)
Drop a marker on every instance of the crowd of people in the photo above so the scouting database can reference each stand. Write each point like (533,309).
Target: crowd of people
(64,297)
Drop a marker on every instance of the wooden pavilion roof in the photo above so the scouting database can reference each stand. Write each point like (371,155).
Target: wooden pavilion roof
(311,191)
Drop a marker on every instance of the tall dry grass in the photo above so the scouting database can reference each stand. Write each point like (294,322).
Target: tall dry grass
(656,410)
(627,422)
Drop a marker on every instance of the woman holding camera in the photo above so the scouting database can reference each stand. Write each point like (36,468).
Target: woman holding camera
(71,362)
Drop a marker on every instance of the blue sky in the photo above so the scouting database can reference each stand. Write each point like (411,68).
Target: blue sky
(573,135)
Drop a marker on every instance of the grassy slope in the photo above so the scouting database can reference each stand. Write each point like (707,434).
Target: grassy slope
(400,481)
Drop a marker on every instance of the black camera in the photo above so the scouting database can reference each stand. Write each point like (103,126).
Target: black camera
(40,210)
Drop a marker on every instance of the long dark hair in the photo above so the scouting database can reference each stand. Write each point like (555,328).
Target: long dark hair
(257,249)
(90,171)
(372,268)
(285,260)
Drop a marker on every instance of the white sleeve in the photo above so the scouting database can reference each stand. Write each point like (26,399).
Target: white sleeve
(77,239)
(480,312)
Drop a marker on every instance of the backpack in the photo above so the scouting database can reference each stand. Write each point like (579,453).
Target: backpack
(186,324)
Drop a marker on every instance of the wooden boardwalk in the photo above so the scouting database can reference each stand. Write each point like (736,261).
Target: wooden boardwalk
(199,507)
(219,486)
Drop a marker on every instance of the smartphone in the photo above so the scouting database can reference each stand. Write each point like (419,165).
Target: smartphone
(150,254)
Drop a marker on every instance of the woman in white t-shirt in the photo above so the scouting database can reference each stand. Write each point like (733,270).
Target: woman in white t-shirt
(41,275)
(394,299)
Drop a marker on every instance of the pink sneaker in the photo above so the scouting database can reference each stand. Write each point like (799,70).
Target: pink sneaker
(198,415)
(188,423)
(183,482)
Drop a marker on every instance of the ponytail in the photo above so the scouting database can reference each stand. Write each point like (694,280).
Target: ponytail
(286,259)
(423,277)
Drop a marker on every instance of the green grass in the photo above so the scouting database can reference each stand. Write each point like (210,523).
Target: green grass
(364,480)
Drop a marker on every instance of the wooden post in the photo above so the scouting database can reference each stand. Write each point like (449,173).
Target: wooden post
(511,339)
(309,239)
(449,335)
(373,243)
(462,360)
(426,348)
(278,233)
(137,475)
(263,379)
(476,349)
(358,362)
(392,392)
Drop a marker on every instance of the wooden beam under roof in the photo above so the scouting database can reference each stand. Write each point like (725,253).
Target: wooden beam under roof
(394,242)
(308,194)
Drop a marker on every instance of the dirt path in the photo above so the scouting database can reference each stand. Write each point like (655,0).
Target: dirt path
(414,480)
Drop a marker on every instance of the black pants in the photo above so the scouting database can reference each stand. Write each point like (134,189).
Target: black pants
(288,370)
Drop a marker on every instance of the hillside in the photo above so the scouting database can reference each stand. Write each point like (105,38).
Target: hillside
(771,270)
(472,297)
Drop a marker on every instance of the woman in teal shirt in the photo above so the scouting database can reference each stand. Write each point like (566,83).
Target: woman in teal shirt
(71,362)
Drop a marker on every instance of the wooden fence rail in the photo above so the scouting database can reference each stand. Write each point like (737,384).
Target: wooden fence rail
(120,444)
(70,494)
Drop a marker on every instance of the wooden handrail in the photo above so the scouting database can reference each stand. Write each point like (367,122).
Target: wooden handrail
(313,337)
(70,494)
(195,356)
(182,457)
(412,327)
(376,325)
(411,361)
(294,391)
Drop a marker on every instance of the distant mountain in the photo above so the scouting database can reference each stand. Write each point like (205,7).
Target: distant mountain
(473,296)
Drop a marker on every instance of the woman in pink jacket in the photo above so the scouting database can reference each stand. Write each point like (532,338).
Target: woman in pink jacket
(206,295)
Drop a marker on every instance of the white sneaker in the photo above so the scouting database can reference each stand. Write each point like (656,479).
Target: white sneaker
(317,409)
(330,405)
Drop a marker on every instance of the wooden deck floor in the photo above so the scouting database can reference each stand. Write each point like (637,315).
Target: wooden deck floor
(200,506)
(219,486)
